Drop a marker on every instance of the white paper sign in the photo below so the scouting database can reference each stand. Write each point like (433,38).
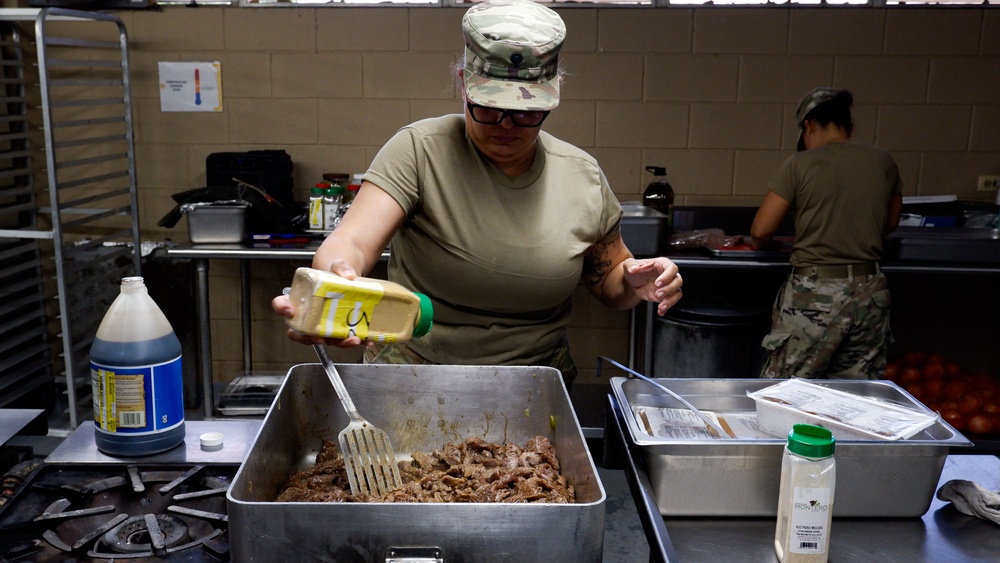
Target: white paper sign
(191,86)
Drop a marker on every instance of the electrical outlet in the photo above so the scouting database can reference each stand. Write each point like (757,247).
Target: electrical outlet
(988,184)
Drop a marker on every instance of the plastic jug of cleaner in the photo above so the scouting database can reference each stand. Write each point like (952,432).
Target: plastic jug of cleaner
(805,496)
(135,371)
(331,306)
(659,194)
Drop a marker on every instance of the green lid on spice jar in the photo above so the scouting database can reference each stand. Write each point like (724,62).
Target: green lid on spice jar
(808,440)
(426,317)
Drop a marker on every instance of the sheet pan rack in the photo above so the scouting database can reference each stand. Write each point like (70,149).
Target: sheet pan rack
(68,203)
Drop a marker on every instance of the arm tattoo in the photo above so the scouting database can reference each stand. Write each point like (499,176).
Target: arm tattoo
(596,264)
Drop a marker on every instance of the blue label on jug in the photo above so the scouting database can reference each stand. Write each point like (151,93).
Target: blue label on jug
(138,399)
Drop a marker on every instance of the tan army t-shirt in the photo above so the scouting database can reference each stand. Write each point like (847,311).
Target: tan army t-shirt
(841,194)
(499,257)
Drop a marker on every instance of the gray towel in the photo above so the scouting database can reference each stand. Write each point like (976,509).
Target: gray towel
(972,499)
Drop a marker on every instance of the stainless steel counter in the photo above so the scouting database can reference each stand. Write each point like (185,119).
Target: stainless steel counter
(201,254)
(80,447)
(941,535)
(642,317)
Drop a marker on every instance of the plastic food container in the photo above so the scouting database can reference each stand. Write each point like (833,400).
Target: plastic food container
(847,415)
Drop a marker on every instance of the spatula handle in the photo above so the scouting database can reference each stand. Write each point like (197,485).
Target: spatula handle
(338,383)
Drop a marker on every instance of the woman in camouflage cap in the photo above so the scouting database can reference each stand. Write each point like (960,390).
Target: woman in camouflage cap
(831,318)
(494,219)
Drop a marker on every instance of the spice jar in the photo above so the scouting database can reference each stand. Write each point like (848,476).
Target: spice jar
(805,497)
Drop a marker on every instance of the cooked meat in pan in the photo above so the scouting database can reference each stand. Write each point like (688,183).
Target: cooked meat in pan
(472,471)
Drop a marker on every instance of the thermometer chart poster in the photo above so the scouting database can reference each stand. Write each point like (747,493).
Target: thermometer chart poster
(190,86)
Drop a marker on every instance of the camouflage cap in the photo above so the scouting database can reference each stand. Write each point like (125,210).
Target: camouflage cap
(813,99)
(512,55)
(809,102)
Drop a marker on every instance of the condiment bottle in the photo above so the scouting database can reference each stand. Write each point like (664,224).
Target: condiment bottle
(331,306)
(805,497)
(316,207)
(332,197)
(136,377)
(660,195)
(351,193)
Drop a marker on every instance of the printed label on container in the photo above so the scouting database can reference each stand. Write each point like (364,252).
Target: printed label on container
(809,519)
(137,399)
(347,310)
(316,213)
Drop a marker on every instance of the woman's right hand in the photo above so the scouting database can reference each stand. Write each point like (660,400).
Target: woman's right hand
(282,305)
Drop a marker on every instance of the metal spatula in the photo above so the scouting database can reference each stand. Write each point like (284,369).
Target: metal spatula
(368,456)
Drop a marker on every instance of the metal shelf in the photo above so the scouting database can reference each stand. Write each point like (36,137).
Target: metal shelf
(71,204)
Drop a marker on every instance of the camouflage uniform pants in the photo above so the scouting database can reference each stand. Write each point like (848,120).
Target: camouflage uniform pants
(829,328)
(402,353)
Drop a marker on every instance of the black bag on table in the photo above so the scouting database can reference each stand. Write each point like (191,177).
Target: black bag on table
(269,170)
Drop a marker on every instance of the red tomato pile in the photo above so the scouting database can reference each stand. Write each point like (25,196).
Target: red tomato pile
(968,401)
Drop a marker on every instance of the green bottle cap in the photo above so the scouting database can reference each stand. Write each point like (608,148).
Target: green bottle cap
(316,191)
(337,190)
(425,319)
(808,440)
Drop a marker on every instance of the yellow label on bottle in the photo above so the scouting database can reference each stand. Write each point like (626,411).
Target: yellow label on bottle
(103,389)
(348,309)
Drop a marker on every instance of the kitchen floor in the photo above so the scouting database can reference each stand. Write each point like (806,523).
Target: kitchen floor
(624,540)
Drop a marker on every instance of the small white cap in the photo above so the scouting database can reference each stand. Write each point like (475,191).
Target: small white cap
(211,439)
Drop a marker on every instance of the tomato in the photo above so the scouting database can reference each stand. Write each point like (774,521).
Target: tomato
(969,404)
(934,389)
(917,390)
(955,390)
(914,358)
(933,371)
(980,424)
(981,378)
(991,408)
(891,371)
(909,376)
(935,359)
(952,369)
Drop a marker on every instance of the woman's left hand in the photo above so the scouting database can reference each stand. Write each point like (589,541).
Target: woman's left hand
(655,279)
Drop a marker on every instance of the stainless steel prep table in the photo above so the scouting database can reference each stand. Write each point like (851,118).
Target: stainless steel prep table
(942,534)
(201,254)
(237,435)
(244,253)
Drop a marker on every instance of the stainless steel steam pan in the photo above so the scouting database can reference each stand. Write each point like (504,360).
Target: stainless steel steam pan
(875,478)
(421,408)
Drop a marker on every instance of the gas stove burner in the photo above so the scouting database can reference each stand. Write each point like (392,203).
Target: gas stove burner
(151,532)
(141,514)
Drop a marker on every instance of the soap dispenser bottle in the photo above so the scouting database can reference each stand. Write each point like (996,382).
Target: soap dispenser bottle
(659,195)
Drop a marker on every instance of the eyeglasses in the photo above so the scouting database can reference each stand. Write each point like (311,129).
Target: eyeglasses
(493,116)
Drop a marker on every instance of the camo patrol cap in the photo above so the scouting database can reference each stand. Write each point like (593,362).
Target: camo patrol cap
(813,99)
(512,55)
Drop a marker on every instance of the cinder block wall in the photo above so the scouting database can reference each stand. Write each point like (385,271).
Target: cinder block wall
(708,92)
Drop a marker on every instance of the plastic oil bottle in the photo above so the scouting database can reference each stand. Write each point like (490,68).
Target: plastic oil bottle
(659,195)
(805,498)
(135,371)
(331,306)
